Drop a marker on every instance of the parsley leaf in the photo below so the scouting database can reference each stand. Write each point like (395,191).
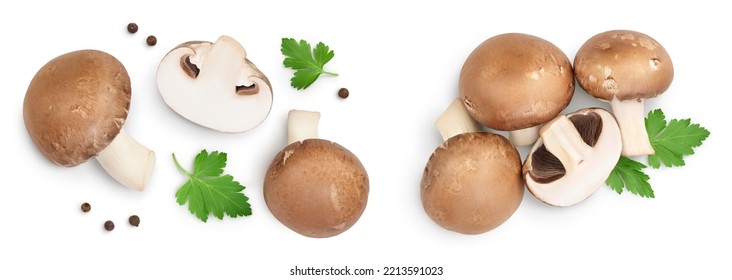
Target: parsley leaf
(207,191)
(629,174)
(307,63)
(673,140)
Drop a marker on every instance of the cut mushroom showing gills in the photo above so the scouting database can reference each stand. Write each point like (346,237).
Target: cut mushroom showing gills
(472,182)
(516,82)
(74,110)
(315,187)
(573,157)
(215,85)
(625,67)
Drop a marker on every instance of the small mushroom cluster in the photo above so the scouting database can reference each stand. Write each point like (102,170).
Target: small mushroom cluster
(77,103)
(521,83)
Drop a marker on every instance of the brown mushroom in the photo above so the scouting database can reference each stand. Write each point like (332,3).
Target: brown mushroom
(472,182)
(515,82)
(573,157)
(315,187)
(625,67)
(74,110)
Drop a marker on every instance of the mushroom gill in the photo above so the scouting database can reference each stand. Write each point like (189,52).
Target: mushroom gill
(188,67)
(545,167)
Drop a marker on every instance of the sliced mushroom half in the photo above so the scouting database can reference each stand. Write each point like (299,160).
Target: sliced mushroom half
(215,85)
(573,157)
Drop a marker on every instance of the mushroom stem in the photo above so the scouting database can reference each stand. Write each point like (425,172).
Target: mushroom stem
(302,125)
(226,57)
(524,137)
(631,121)
(455,120)
(561,138)
(127,161)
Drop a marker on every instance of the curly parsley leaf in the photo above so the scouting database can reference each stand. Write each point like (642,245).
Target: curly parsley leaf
(673,140)
(628,174)
(208,191)
(309,63)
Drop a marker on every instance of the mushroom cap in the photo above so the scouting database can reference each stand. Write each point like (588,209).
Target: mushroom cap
(551,182)
(514,81)
(472,182)
(623,64)
(76,105)
(215,85)
(316,188)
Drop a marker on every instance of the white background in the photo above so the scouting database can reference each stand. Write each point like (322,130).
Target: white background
(401,62)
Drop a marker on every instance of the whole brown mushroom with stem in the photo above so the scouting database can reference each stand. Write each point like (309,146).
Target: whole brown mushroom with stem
(516,82)
(74,110)
(472,182)
(625,67)
(315,187)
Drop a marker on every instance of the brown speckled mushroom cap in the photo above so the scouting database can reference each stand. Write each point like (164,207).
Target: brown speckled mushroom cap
(472,182)
(76,104)
(514,81)
(624,64)
(316,187)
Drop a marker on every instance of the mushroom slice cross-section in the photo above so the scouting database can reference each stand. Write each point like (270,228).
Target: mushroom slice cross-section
(573,157)
(624,68)
(215,85)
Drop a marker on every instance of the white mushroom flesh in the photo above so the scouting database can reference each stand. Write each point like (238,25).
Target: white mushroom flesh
(586,167)
(211,98)
(455,120)
(631,120)
(302,125)
(524,137)
(127,161)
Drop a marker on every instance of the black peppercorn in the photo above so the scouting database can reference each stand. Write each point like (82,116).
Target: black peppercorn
(109,225)
(134,220)
(85,207)
(132,27)
(343,93)
(151,40)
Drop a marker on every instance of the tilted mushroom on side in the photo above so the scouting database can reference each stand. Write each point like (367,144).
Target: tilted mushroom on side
(516,82)
(215,85)
(315,187)
(573,157)
(625,67)
(74,110)
(472,182)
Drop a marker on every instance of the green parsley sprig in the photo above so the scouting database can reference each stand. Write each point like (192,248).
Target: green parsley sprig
(309,63)
(671,141)
(628,174)
(208,191)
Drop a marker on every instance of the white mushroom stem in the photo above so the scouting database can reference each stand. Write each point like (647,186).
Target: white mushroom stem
(127,161)
(226,57)
(561,138)
(524,137)
(631,120)
(455,120)
(302,125)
